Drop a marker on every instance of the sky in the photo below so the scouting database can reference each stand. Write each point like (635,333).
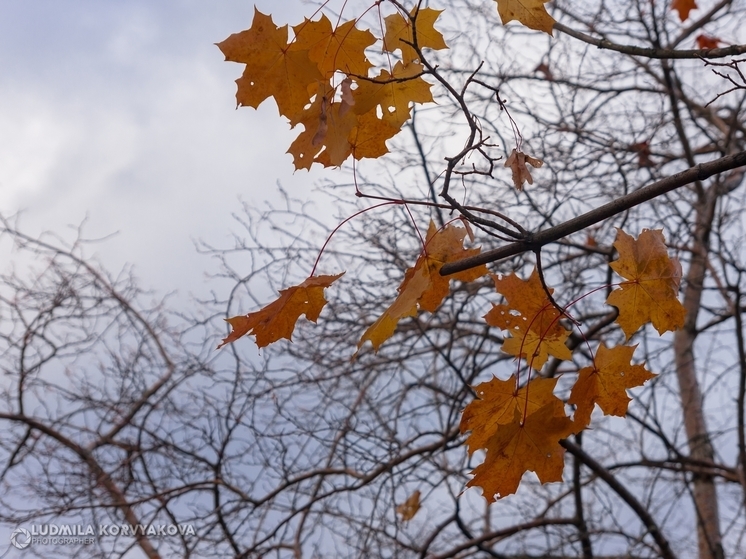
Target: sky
(123,113)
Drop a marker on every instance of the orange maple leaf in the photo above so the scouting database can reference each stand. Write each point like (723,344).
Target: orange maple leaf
(521,446)
(393,92)
(277,320)
(531,319)
(530,13)
(368,138)
(409,508)
(327,128)
(517,163)
(340,49)
(683,7)
(400,33)
(496,403)
(272,68)
(606,383)
(333,132)
(652,286)
(423,288)
(707,42)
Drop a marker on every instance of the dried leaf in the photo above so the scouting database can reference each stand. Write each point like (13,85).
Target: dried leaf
(642,149)
(272,69)
(423,288)
(544,69)
(521,446)
(496,403)
(683,7)
(393,92)
(530,318)
(707,42)
(277,320)
(606,383)
(409,508)
(650,291)
(341,49)
(517,163)
(348,100)
(530,13)
(400,33)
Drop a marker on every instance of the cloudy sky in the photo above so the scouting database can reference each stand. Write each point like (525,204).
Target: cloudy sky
(124,111)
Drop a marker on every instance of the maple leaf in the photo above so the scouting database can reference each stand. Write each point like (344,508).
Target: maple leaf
(423,288)
(521,446)
(393,92)
(642,149)
(400,33)
(606,383)
(531,319)
(409,508)
(530,13)
(368,138)
(332,132)
(495,405)
(651,290)
(707,42)
(340,49)
(517,163)
(327,128)
(272,68)
(277,320)
(683,7)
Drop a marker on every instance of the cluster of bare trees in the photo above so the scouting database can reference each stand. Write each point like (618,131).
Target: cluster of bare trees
(117,410)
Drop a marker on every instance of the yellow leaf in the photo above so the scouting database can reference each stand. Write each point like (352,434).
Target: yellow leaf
(521,446)
(340,49)
(530,13)
(392,95)
(409,508)
(496,403)
(272,69)
(277,320)
(400,33)
(606,383)
(530,318)
(651,290)
(423,288)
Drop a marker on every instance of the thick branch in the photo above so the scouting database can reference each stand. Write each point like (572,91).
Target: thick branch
(699,172)
(664,53)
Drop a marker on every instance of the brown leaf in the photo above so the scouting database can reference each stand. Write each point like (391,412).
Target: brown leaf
(642,149)
(272,69)
(707,42)
(517,163)
(544,69)
(683,7)
(341,48)
(400,33)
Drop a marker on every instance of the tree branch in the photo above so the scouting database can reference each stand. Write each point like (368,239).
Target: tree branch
(699,172)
